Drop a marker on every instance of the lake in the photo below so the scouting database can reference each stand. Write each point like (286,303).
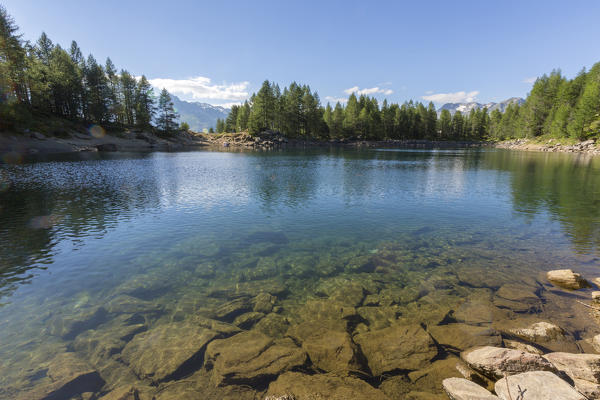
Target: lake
(224,274)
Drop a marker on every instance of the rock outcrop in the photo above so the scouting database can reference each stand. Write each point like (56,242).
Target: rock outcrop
(495,362)
(462,389)
(567,279)
(536,385)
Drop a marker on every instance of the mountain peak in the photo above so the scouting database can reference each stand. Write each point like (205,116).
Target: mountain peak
(199,116)
(466,108)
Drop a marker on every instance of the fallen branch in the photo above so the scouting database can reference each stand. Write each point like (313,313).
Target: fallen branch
(588,306)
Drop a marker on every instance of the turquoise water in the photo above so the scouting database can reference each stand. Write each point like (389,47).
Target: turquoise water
(187,232)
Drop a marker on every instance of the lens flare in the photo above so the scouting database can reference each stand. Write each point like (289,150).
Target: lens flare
(97,131)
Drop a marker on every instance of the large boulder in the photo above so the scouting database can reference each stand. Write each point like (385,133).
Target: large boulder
(462,389)
(168,351)
(577,366)
(462,336)
(494,362)
(405,347)
(298,386)
(536,385)
(331,351)
(251,357)
(567,279)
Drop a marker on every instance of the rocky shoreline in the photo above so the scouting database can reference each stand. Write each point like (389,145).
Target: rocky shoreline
(34,143)
(552,145)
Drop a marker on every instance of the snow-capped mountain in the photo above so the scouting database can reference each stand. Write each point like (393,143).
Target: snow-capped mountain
(199,115)
(466,108)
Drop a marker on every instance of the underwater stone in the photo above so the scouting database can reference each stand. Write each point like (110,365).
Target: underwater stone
(331,351)
(230,310)
(251,357)
(322,386)
(406,347)
(539,332)
(69,326)
(462,336)
(70,375)
(248,320)
(272,325)
(263,303)
(518,298)
(168,351)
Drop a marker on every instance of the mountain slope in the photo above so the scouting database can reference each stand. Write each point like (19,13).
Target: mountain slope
(198,115)
(466,108)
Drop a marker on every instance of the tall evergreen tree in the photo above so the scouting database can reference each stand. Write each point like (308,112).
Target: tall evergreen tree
(167,117)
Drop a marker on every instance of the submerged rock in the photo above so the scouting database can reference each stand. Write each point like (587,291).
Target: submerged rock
(462,389)
(263,303)
(248,320)
(251,358)
(230,310)
(331,351)
(70,376)
(272,325)
(539,332)
(69,326)
(168,351)
(494,362)
(299,386)
(517,297)
(536,385)
(462,336)
(404,347)
(567,279)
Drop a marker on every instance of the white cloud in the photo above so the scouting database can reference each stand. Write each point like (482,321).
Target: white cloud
(334,100)
(373,90)
(201,88)
(530,80)
(457,97)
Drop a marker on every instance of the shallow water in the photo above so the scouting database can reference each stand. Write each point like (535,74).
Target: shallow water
(399,236)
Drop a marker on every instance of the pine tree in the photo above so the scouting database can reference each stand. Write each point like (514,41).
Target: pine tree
(144,103)
(445,125)
(166,113)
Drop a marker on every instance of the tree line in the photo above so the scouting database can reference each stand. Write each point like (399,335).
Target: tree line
(556,107)
(43,78)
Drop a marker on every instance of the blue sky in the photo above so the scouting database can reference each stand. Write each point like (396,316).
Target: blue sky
(220,51)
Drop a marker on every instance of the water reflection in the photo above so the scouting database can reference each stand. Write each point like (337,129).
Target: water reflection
(44,203)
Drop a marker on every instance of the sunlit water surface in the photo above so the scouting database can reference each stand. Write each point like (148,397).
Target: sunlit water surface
(185,231)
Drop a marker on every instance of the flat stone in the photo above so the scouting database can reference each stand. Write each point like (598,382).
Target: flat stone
(272,325)
(230,310)
(567,279)
(494,362)
(70,376)
(462,336)
(331,314)
(577,366)
(516,345)
(405,347)
(263,303)
(596,295)
(248,320)
(462,389)
(379,317)
(298,386)
(167,351)
(536,385)
(331,351)
(539,332)
(588,389)
(251,357)
(69,326)
(517,297)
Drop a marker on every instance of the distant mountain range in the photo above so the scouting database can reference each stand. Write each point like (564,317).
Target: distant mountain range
(199,115)
(466,108)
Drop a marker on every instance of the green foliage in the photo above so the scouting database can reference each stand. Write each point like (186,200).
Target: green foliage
(184,126)
(167,116)
(44,79)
